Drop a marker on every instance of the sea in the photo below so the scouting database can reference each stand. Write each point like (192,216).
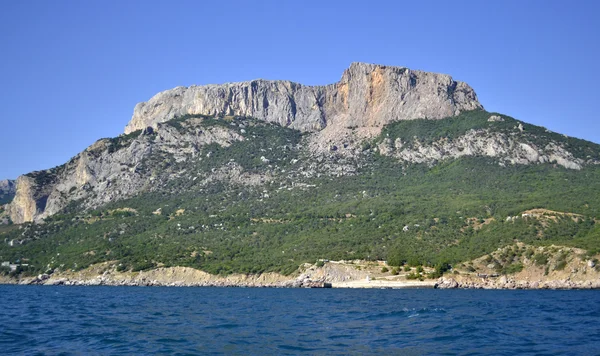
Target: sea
(58,320)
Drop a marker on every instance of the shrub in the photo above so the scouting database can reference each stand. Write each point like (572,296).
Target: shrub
(121,213)
(414,276)
(529,253)
(513,268)
(384,269)
(540,259)
(442,267)
(560,265)
(141,266)
(406,268)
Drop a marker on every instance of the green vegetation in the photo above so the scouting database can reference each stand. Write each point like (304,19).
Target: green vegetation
(454,211)
(561,261)
(540,259)
(439,270)
(513,268)
(43,177)
(116,143)
(414,275)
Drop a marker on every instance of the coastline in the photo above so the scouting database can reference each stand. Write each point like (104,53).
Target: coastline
(442,283)
(333,274)
(509,283)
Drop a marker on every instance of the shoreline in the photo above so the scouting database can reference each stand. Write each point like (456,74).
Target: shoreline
(442,283)
(354,274)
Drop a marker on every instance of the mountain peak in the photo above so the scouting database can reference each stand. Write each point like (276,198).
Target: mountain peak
(368,95)
(7,185)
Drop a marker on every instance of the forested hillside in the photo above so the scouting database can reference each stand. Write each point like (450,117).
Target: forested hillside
(264,202)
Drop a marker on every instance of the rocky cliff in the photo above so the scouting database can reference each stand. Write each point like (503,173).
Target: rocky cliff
(483,143)
(367,95)
(111,169)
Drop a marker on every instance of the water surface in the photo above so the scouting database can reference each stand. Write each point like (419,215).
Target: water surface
(181,321)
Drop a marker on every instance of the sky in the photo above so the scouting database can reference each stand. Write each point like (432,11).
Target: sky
(71,72)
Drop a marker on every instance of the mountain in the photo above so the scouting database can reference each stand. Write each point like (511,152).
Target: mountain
(367,95)
(7,190)
(263,176)
(366,98)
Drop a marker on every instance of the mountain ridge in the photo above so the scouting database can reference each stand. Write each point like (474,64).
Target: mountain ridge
(366,95)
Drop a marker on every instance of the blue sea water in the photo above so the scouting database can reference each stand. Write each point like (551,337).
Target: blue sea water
(247,321)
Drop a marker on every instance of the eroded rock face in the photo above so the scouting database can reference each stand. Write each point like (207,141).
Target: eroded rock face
(367,95)
(22,207)
(508,149)
(108,171)
(31,196)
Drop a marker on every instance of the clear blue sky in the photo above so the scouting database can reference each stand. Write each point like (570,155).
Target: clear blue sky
(72,71)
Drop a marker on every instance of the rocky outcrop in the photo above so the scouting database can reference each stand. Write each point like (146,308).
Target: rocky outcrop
(111,169)
(31,196)
(367,95)
(506,282)
(563,268)
(511,148)
(160,277)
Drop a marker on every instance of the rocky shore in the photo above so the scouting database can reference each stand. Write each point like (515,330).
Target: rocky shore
(505,282)
(103,275)
(330,274)
(47,280)
(299,282)
(140,282)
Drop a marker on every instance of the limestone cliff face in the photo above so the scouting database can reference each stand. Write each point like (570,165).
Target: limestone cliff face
(109,170)
(483,143)
(30,199)
(367,95)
